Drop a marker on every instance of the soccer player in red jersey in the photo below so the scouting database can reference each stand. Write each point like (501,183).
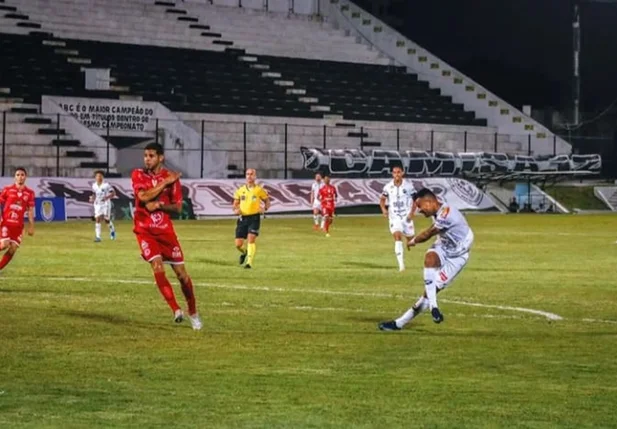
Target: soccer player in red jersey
(327,197)
(158,193)
(16,200)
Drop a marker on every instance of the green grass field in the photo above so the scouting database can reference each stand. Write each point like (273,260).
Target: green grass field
(87,341)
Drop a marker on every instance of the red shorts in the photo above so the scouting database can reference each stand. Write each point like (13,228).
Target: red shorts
(166,246)
(12,233)
(327,211)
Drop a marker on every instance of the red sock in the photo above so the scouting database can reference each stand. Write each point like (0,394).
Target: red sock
(166,290)
(328,223)
(187,290)
(5,260)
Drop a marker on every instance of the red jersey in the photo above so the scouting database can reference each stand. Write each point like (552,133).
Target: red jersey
(327,196)
(157,222)
(15,203)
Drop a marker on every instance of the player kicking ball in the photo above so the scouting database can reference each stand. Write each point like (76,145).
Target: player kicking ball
(443,261)
(103,192)
(158,193)
(398,193)
(15,200)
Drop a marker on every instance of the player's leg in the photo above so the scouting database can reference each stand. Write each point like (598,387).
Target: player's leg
(110,223)
(242,231)
(97,226)
(151,252)
(188,291)
(396,229)
(254,225)
(327,216)
(11,248)
(316,217)
(432,264)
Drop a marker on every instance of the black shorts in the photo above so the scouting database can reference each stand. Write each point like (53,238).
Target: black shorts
(248,225)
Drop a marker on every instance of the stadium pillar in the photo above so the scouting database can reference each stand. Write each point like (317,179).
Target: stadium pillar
(3,141)
(528,144)
(496,140)
(554,145)
(324,135)
(156,136)
(361,138)
(107,147)
(285,155)
(398,140)
(576,52)
(58,144)
(201,170)
(465,142)
(432,140)
(244,143)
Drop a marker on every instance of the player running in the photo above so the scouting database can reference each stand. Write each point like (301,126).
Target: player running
(158,193)
(15,200)
(315,203)
(398,193)
(247,205)
(103,192)
(327,198)
(443,261)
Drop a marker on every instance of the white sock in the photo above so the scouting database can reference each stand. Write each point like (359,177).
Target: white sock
(419,307)
(111,227)
(97,230)
(323,222)
(398,251)
(430,287)
(316,219)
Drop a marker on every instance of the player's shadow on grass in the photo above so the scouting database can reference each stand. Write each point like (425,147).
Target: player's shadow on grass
(100,317)
(220,262)
(368,265)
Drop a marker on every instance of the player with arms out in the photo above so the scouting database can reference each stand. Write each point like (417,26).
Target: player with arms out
(443,261)
(398,194)
(247,205)
(327,198)
(15,200)
(103,192)
(158,194)
(315,203)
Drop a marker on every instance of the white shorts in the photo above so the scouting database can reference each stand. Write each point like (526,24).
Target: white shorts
(451,266)
(317,205)
(400,224)
(102,210)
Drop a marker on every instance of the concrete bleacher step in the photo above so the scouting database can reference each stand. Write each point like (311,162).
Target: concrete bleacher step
(199,26)
(78,60)
(65,143)
(357,134)
(223,42)
(57,43)
(188,19)
(271,74)
(260,66)
(211,34)
(8,8)
(318,108)
(345,125)
(295,91)
(371,144)
(165,3)
(80,154)
(51,131)
(176,11)
(24,109)
(284,82)
(17,16)
(38,120)
(93,164)
(308,99)
(235,51)
(26,24)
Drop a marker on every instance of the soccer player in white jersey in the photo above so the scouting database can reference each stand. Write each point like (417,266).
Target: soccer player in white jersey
(443,261)
(101,199)
(399,197)
(315,203)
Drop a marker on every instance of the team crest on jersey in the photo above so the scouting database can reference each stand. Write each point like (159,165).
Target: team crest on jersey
(144,245)
(445,213)
(5,231)
(47,211)
(157,218)
(176,252)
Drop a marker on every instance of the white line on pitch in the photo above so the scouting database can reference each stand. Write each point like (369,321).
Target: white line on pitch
(550,316)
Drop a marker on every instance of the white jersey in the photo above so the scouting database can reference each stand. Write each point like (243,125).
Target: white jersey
(315,188)
(101,192)
(400,198)
(455,236)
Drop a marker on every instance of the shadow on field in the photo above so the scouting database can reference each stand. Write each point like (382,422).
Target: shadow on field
(219,262)
(100,317)
(368,265)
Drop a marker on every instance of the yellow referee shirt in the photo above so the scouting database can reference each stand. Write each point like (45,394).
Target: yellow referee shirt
(250,199)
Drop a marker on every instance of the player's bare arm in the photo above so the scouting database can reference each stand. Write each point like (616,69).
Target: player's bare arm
(236,206)
(382,204)
(31,221)
(91,199)
(425,235)
(412,211)
(266,206)
(111,195)
(152,193)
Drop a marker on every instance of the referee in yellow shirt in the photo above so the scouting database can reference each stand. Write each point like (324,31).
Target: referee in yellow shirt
(248,207)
